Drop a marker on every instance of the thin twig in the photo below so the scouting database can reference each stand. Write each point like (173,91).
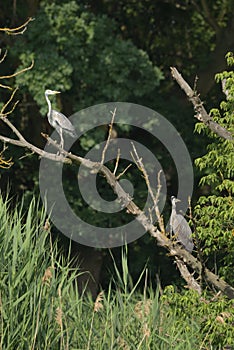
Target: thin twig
(154,198)
(7,103)
(109,136)
(174,249)
(200,111)
(4,55)
(195,83)
(26,155)
(157,212)
(123,172)
(117,161)
(5,164)
(12,109)
(6,87)
(150,215)
(17,73)
(18,30)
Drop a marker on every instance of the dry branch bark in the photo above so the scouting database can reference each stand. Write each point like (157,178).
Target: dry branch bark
(188,277)
(17,30)
(162,240)
(201,113)
(183,257)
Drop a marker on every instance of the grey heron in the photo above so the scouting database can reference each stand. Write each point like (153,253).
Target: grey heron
(180,227)
(58,120)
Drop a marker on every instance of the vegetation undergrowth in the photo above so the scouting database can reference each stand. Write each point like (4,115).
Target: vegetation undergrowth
(40,307)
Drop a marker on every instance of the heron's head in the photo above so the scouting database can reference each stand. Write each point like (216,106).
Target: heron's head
(174,200)
(51,92)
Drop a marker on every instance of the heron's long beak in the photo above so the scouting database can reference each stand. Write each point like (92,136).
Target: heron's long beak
(56,92)
(177,200)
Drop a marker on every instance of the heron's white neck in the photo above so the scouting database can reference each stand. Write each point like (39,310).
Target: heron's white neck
(173,207)
(49,106)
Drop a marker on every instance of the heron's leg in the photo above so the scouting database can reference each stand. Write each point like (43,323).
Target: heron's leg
(62,141)
(173,234)
(170,229)
(61,138)
(170,232)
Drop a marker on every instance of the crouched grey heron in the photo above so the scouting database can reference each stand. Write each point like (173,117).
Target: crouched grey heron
(180,227)
(58,120)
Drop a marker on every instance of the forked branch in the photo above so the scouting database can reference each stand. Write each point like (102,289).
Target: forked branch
(18,30)
(201,113)
(173,248)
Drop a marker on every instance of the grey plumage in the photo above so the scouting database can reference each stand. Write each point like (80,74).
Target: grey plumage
(58,120)
(180,227)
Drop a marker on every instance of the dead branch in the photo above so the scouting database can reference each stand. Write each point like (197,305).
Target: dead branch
(5,87)
(5,164)
(154,198)
(117,161)
(160,218)
(188,277)
(109,137)
(21,142)
(18,30)
(17,73)
(174,249)
(2,112)
(201,113)
(123,172)
(3,56)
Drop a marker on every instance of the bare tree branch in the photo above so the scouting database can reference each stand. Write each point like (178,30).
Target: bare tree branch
(14,31)
(17,73)
(21,142)
(201,113)
(123,172)
(117,161)
(162,240)
(183,257)
(18,30)
(2,112)
(154,198)
(188,277)
(109,137)
(6,164)
(4,55)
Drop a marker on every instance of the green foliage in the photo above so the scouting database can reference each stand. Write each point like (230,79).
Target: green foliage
(41,308)
(214,316)
(158,26)
(87,55)
(31,274)
(76,51)
(215,213)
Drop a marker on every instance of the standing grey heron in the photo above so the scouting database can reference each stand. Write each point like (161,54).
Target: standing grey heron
(180,227)
(58,120)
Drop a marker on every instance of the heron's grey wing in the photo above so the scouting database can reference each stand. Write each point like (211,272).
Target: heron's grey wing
(63,123)
(183,232)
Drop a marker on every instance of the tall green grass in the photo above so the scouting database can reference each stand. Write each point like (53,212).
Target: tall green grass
(40,307)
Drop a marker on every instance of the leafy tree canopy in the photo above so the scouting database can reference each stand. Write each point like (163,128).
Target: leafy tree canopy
(77,51)
(215,212)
